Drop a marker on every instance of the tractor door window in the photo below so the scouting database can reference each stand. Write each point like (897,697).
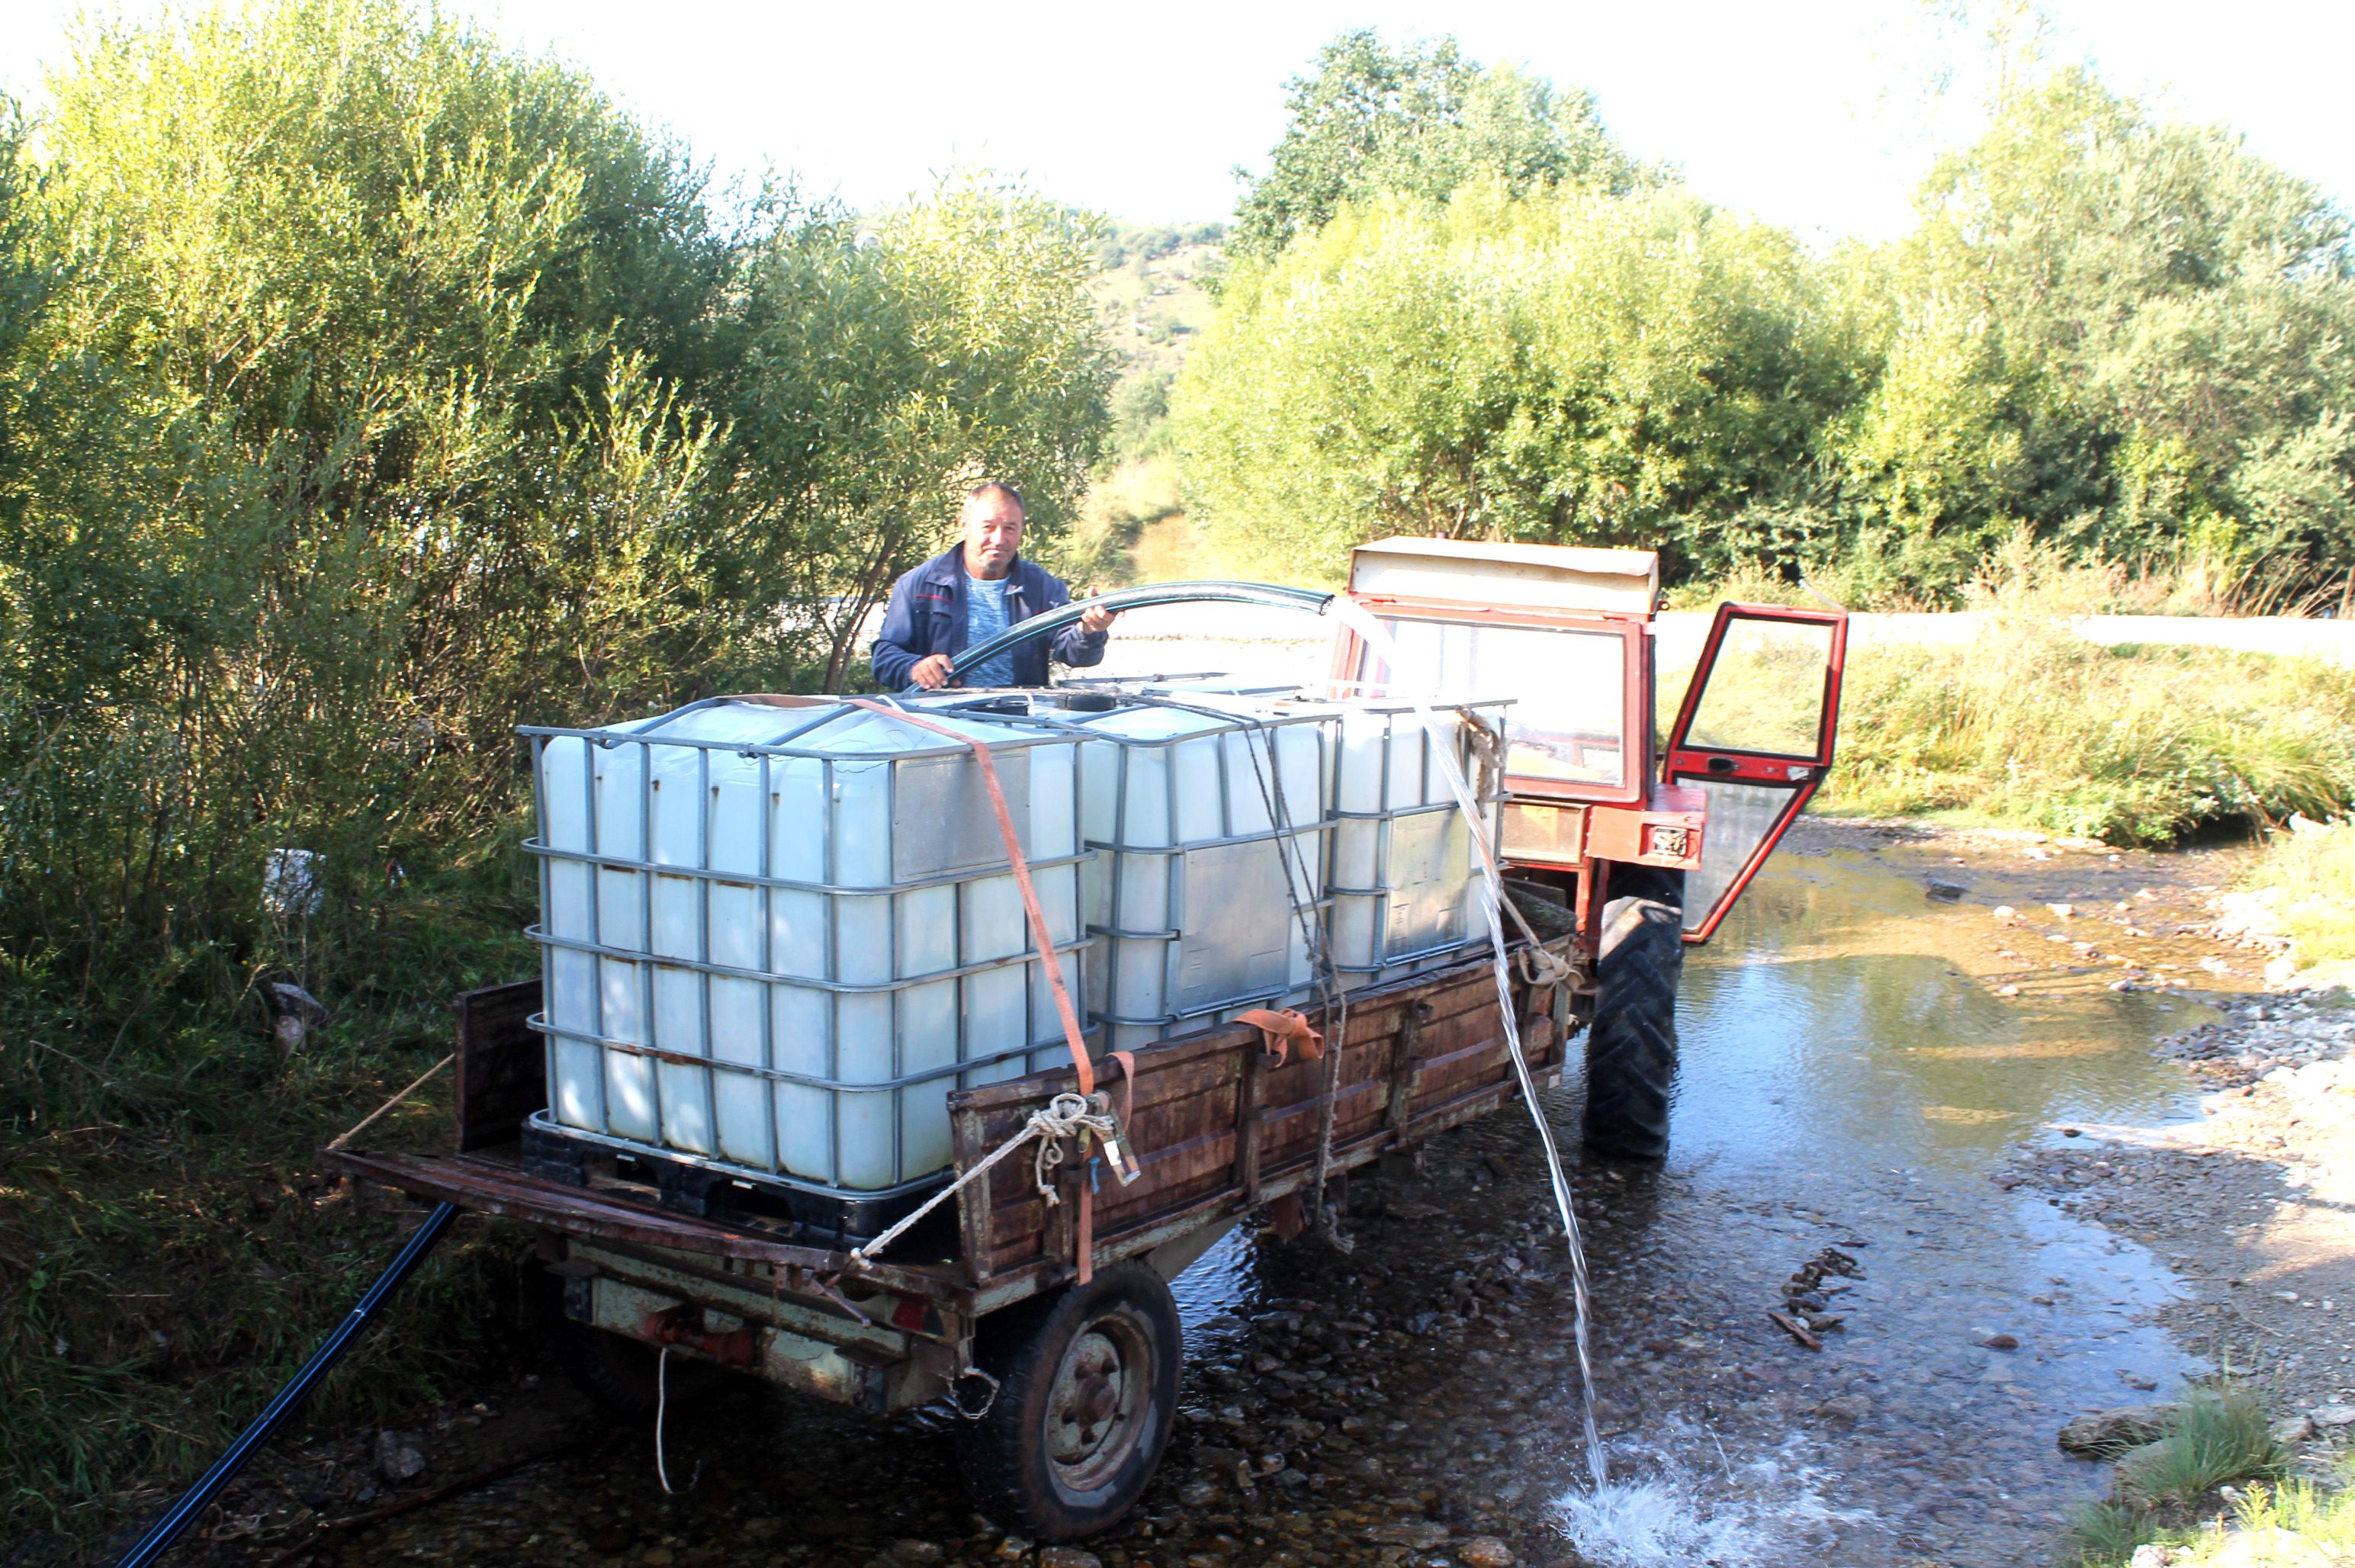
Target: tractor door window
(1569,717)
(1766,690)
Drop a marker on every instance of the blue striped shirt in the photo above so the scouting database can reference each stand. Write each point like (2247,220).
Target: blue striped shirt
(985,617)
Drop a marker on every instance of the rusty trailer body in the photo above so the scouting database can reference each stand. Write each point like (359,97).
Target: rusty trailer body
(1225,1128)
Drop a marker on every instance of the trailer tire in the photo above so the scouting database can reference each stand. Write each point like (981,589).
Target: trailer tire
(1087,1389)
(1631,1047)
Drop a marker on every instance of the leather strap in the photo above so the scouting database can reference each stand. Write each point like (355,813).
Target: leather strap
(1280,1029)
(1030,906)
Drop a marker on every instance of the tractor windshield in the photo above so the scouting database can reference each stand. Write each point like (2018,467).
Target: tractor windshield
(1568,722)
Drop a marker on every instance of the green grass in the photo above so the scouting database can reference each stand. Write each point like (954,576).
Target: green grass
(2164,1489)
(2031,726)
(169,1248)
(2308,877)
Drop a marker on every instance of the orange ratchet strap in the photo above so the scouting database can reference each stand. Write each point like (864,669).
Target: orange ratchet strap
(1279,1030)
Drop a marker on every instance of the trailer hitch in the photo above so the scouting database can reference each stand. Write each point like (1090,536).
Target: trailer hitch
(702,1331)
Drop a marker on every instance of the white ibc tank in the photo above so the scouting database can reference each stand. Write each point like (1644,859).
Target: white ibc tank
(1404,875)
(778,931)
(1208,814)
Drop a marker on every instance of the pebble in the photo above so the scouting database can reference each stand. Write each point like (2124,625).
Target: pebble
(2293,1430)
(2333,1414)
(2000,1342)
(1068,1557)
(1197,1494)
(1486,1551)
(2105,1434)
(917,1551)
(399,1459)
(1417,1534)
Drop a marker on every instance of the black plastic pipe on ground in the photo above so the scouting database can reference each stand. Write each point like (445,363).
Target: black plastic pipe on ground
(193,1502)
(1269,593)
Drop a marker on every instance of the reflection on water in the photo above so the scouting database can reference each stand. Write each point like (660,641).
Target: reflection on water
(1835,1003)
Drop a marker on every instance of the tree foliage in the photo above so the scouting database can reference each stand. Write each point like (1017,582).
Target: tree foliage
(368,389)
(2129,338)
(1418,121)
(1562,365)
(2133,337)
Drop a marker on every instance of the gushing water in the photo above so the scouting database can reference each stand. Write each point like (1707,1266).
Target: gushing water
(1773,1502)
(1354,616)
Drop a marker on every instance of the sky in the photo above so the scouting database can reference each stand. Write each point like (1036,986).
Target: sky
(1815,114)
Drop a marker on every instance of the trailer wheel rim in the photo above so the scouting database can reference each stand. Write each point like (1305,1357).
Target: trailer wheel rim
(1101,1402)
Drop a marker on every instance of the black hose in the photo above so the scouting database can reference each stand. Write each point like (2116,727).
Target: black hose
(193,1502)
(1269,593)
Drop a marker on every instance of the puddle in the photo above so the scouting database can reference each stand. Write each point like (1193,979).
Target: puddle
(1849,1077)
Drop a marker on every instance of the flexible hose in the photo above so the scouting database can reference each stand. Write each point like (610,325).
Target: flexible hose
(193,1502)
(1275,595)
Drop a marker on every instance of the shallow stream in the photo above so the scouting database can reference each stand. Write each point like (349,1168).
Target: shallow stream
(1851,1076)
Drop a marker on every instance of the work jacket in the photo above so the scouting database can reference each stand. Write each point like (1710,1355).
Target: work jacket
(927,616)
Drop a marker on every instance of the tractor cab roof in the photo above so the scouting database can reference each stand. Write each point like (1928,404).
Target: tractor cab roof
(1491,576)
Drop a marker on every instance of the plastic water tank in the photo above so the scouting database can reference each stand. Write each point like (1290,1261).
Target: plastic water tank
(1208,813)
(777,931)
(1404,875)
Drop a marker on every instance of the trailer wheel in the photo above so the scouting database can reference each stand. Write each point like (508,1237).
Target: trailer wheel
(1087,1390)
(1631,1047)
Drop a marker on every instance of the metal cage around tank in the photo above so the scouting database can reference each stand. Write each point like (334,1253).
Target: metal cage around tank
(1403,874)
(783,982)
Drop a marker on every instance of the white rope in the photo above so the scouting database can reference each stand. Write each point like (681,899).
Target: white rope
(662,1400)
(1066,1116)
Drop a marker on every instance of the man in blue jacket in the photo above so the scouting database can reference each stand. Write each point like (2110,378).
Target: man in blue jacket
(972,591)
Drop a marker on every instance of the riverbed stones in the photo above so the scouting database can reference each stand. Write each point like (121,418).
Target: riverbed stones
(2292,1430)
(917,1551)
(1068,1557)
(2333,1414)
(2106,1433)
(1486,1551)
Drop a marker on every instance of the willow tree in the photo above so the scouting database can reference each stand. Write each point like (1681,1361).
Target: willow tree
(1565,365)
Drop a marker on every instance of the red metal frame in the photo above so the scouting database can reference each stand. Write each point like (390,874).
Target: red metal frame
(1802,775)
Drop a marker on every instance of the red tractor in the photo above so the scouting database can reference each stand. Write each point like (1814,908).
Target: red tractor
(1645,840)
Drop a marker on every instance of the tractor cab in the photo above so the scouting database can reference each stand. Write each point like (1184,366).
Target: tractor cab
(1573,635)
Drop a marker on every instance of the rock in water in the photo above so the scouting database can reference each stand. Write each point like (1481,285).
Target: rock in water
(1944,893)
(399,1460)
(2106,1433)
(1486,1551)
(2292,1430)
(1068,1557)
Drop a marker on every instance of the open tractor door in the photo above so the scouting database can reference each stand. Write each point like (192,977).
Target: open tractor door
(1639,851)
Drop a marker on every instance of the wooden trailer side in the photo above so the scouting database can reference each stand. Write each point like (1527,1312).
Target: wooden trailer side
(1219,1126)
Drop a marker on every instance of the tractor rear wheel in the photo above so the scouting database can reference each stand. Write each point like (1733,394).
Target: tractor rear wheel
(1631,1047)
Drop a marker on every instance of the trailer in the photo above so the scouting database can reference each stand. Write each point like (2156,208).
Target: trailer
(1033,1294)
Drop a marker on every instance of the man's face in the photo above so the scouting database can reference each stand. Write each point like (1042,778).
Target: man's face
(993,534)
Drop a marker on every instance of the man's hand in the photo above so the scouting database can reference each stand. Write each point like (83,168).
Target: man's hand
(1096,620)
(931,672)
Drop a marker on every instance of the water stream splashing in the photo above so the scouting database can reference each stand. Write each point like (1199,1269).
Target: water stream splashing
(1354,616)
